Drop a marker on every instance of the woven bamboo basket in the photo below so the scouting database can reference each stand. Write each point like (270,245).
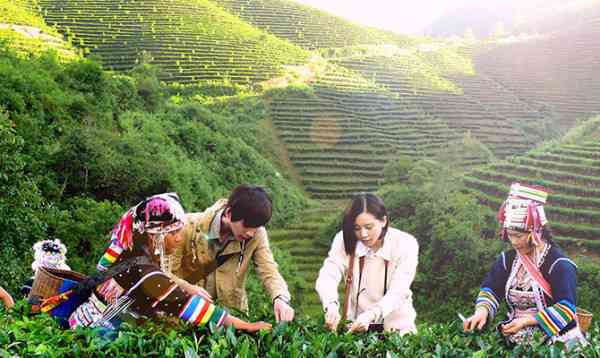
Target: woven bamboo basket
(47,281)
(584,319)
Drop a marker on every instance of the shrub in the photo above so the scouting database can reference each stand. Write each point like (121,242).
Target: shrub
(397,170)
(21,206)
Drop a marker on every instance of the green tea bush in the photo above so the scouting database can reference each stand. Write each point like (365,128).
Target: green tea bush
(21,335)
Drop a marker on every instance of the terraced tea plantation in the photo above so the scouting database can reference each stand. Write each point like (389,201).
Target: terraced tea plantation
(305,26)
(303,241)
(189,40)
(341,137)
(427,88)
(571,172)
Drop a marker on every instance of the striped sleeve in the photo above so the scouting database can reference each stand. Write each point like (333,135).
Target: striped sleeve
(110,256)
(156,292)
(488,300)
(199,312)
(554,318)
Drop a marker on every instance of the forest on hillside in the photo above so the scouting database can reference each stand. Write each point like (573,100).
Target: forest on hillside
(103,106)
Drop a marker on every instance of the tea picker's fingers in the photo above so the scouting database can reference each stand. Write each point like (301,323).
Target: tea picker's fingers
(467,325)
(481,323)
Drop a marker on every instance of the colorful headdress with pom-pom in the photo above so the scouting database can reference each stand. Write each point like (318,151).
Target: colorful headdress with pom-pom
(158,214)
(523,210)
(50,254)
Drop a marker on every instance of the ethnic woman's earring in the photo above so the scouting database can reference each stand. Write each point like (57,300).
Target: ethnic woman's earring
(530,241)
(160,251)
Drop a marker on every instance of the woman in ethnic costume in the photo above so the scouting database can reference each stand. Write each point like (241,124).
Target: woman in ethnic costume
(537,280)
(136,283)
(128,236)
(379,263)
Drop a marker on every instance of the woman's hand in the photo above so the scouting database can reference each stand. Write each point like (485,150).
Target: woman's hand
(517,324)
(361,324)
(241,325)
(477,320)
(332,317)
(257,326)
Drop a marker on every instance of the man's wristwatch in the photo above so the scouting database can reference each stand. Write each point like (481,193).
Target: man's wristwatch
(284,299)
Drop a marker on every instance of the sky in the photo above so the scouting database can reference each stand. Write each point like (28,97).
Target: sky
(412,16)
(396,15)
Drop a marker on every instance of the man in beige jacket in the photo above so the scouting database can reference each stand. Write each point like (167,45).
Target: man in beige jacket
(219,245)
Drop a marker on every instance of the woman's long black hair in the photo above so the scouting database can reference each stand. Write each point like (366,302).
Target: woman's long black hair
(361,203)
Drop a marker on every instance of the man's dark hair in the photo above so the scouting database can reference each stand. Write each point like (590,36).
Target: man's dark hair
(251,204)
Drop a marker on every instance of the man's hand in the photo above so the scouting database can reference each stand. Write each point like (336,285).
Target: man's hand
(332,317)
(477,320)
(517,324)
(283,311)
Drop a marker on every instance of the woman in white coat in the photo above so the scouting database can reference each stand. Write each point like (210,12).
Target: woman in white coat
(382,262)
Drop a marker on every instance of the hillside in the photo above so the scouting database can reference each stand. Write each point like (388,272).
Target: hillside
(190,40)
(569,170)
(555,75)
(303,25)
(25,31)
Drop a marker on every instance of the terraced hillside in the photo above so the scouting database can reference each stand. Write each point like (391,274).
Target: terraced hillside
(308,250)
(190,40)
(24,30)
(308,27)
(555,75)
(340,137)
(444,85)
(570,171)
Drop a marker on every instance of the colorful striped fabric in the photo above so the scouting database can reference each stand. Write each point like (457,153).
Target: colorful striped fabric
(554,318)
(527,192)
(110,256)
(487,299)
(164,295)
(199,312)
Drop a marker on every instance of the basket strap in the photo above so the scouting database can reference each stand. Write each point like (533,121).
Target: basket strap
(349,275)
